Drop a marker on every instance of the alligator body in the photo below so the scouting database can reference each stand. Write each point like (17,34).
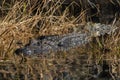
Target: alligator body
(46,44)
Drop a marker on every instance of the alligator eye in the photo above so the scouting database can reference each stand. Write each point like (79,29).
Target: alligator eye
(36,44)
(60,44)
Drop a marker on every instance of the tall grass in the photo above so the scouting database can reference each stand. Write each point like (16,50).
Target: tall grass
(24,20)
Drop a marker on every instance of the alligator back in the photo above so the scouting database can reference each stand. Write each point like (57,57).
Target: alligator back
(46,44)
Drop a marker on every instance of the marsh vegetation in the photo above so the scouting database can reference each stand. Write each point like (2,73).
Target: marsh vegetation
(23,20)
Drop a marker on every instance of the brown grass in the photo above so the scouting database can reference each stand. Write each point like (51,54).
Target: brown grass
(19,25)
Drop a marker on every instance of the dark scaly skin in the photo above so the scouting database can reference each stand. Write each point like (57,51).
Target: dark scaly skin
(53,43)
(46,44)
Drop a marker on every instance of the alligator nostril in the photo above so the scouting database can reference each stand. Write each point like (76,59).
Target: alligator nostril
(18,51)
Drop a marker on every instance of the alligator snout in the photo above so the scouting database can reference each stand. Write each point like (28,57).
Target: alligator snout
(18,51)
(25,51)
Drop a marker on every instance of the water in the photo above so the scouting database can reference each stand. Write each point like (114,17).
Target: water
(81,67)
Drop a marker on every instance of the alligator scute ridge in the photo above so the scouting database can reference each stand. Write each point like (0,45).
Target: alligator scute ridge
(45,44)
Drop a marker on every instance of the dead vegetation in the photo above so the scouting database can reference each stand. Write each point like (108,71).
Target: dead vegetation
(22,20)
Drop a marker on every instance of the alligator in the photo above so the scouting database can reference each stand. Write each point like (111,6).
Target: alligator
(54,43)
